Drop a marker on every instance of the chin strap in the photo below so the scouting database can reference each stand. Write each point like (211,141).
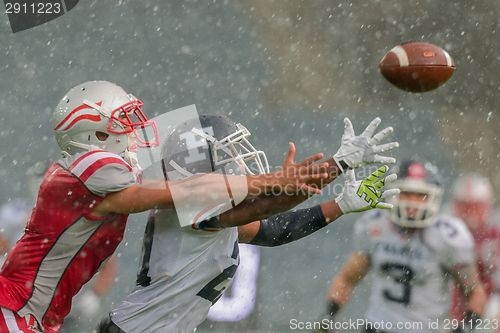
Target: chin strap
(80,147)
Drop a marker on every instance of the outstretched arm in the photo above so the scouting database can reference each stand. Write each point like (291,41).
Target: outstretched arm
(290,226)
(291,179)
(466,277)
(353,271)
(355,150)
(357,196)
(306,176)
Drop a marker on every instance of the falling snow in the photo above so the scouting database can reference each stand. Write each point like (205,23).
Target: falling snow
(288,71)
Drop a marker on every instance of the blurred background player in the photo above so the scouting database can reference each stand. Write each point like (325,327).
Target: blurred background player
(473,200)
(185,270)
(414,253)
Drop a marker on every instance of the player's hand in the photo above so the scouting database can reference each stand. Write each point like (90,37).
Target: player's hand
(357,150)
(358,196)
(301,177)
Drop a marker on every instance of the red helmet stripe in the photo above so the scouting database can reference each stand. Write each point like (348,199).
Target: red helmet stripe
(90,117)
(75,110)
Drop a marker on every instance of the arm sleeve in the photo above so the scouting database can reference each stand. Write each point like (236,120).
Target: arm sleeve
(290,226)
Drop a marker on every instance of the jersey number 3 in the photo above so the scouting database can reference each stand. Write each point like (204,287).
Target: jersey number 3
(403,276)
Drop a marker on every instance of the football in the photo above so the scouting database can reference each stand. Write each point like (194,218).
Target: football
(417,66)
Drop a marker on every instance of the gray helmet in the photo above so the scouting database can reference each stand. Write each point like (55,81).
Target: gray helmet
(220,145)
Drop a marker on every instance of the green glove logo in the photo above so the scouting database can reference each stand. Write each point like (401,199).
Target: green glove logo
(370,188)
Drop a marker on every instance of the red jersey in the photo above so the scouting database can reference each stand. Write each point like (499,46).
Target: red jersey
(64,243)
(486,248)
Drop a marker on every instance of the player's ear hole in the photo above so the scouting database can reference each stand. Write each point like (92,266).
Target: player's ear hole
(101,136)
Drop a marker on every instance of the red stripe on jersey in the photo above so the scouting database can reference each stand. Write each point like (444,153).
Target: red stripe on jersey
(3,324)
(23,325)
(17,323)
(90,117)
(100,163)
(79,159)
(75,110)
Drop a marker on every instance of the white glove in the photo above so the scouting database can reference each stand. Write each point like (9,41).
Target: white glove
(355,150)
(361,195)
(87,304)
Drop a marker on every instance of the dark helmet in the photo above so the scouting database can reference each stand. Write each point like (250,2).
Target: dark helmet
(422,178)
(221,145)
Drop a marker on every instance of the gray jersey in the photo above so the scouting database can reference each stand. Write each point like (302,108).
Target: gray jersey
(183,272)
(410,283)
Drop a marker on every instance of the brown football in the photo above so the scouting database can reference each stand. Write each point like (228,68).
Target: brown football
(417,66)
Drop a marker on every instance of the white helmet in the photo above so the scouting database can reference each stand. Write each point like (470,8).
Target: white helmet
(422,178)
(473,187)
(100,115)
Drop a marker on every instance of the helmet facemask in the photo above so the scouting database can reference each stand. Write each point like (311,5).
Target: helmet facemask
(129,118)
(236,148)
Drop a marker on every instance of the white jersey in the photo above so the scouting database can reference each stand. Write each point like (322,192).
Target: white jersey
(410,280)
(183,272)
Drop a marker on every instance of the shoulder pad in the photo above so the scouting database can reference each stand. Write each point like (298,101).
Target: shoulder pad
(102,172)
(452,233)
